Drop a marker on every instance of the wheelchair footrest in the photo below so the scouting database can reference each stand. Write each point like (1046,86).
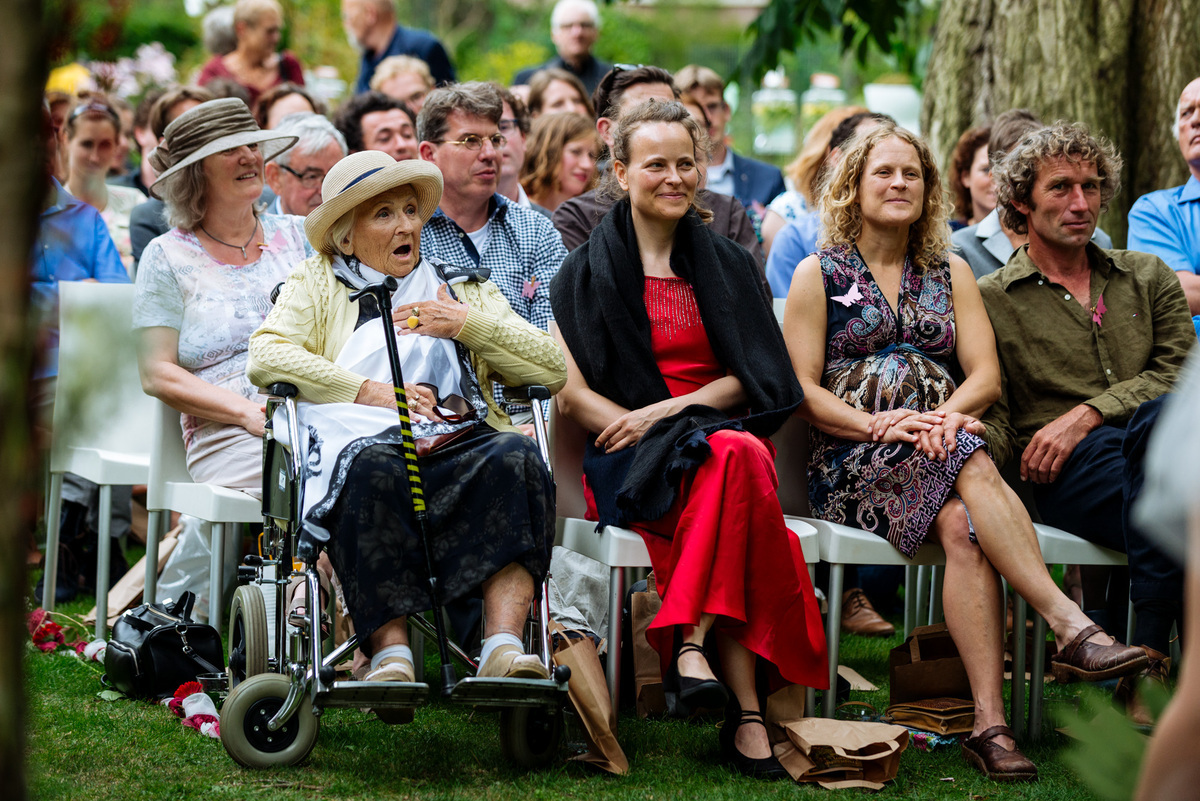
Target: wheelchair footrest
(508,692)
(376,694)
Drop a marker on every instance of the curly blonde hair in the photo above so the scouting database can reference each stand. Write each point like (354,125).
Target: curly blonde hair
(1015,175)
(841,211)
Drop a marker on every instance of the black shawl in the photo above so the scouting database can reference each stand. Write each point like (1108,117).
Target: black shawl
(599,307)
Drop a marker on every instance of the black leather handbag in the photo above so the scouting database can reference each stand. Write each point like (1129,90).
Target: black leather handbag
(155,648)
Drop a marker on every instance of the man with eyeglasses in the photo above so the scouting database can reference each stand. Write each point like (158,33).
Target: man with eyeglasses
(296,176)
(574,28)
(459,129)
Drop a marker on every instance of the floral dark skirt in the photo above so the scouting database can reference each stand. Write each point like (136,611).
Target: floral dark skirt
(490,503)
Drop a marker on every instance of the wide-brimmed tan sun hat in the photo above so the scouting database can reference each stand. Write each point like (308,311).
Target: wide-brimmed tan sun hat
(360,177)
(212,127)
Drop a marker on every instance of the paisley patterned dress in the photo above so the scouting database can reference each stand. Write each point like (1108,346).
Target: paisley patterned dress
(876,360)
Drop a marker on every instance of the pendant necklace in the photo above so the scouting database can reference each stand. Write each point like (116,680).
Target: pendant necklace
(228,245)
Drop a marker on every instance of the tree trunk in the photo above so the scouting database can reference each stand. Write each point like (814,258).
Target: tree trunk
(22,189)
(1116,65)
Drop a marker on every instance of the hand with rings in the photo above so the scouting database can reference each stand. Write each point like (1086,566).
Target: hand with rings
(440,316)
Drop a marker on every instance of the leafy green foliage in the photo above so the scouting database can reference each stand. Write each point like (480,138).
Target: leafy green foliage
(108,29)
(784,25)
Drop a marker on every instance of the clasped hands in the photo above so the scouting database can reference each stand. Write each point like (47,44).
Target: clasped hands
(441,317)
(934,433)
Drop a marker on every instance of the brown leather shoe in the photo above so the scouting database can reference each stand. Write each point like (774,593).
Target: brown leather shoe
(994,760)
(1087,661)
(1128,689)
(859,617)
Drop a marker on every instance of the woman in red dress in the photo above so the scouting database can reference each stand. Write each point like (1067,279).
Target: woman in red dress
(677,366)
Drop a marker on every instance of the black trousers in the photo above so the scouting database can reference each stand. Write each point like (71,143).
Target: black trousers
(1092,498)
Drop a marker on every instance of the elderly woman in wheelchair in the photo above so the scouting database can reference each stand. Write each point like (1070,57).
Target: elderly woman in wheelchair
(486,490)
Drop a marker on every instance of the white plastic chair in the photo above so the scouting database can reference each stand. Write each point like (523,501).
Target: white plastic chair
(617,548)
(100,417)
(171,489)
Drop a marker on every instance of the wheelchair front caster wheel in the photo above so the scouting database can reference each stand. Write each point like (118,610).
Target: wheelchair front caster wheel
(529,736)
(248,637)
(244,724)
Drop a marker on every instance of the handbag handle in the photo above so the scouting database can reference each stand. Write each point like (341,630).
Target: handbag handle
(188,650)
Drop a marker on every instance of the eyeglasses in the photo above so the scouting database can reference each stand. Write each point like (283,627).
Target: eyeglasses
(586,25)
(508,125)
(309,179)
(475,141)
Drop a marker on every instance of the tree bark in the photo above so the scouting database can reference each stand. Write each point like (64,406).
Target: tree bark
(22,189)
(1116,65)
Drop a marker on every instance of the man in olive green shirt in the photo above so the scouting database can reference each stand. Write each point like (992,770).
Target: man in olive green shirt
(1089,340)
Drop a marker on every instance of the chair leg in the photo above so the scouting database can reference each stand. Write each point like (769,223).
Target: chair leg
(153,536)
(103,556)
(50,565)
(910,599)
(1018,671)
(1037,677)
(616,594)
(936,613)
(923,583)
(1130,620)
(833,634)
(216,538)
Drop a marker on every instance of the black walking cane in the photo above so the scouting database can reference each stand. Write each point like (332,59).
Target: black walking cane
(383,295)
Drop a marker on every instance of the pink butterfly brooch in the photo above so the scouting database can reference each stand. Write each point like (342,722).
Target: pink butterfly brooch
(1098,310)
(850,298)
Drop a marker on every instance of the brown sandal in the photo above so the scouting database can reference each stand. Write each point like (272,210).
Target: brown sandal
(995,761)
(1087,661)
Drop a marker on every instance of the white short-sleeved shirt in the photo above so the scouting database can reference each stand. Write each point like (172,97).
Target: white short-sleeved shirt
(215,307)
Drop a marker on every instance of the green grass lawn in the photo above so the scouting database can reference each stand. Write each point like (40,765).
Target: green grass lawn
(80,745)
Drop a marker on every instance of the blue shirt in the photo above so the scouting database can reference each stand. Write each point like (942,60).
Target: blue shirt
(792,244)
(73,244)
(408,42)
(1167,224)
(523,251)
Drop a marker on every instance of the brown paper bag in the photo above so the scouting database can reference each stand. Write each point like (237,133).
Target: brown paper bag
(647,667)
(839,753)
(927,665)
(128,591)
(588,692)
(936,715)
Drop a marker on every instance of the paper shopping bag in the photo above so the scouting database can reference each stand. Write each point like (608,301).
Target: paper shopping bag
(588,693)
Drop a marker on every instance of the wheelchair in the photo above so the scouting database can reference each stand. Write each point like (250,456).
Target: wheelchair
(283,676)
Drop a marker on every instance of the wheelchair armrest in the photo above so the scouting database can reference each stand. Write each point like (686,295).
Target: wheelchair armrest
(526,394)
(283,390)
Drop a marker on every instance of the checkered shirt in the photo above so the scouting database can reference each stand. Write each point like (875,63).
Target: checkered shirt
(522,246)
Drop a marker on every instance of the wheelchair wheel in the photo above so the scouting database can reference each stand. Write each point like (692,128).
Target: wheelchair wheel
(248,636)
(244,724)
(529,736)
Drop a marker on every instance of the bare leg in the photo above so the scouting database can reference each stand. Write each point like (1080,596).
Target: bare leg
(1007,539)
(974,616)
(692,663)
(394,632)
(737,663)
(506,599)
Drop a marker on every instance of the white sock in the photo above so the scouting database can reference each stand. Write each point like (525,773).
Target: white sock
(402,651)
(494,642)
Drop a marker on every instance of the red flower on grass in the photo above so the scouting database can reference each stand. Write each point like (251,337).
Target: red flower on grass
(46,634)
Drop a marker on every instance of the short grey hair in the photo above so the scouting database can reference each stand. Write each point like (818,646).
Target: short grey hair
(219,37)
(338,230)
(563,6)
(314,132)
(185,197)
(475,99)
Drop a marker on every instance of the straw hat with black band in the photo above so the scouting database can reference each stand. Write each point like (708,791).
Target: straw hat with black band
(207,129)
(360,177)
